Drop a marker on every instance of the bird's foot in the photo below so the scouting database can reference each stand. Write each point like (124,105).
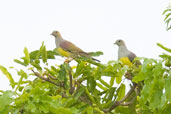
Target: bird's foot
(68,60)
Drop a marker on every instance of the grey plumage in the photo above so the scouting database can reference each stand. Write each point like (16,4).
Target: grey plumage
(123,51)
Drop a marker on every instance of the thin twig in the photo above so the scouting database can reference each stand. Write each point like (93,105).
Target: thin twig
(52,77)
(71,91)
(46,79)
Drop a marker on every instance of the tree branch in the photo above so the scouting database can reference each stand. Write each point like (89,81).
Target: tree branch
(71,91)
(46,79)
(121,102)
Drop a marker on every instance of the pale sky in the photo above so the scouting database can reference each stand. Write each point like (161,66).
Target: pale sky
(93,25)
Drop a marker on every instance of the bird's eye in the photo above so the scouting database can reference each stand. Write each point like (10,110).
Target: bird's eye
(119,41)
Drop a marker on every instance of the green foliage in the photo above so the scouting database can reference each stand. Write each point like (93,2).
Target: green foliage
(167,18)
(83,89)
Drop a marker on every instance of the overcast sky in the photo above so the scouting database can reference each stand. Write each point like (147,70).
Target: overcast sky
(93,25)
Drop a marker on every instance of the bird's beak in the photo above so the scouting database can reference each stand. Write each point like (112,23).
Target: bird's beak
(115,43)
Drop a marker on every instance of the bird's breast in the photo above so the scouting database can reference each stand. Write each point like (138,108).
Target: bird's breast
(63,52)
(125,61)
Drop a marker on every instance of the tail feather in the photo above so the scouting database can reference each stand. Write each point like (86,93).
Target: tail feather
(96,60)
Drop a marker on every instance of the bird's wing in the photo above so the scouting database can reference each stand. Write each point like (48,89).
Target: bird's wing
(131,56)
(68,46)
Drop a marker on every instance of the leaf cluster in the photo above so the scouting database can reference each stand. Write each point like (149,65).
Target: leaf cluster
(88,87)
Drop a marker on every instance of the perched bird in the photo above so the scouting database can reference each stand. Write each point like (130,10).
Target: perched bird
(68,49)
(124,54)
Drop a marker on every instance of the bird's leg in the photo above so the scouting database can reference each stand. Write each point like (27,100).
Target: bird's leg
(68,60)
(128,75)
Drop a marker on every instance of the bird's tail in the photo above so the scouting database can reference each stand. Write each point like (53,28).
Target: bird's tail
(88,55)
(96,60)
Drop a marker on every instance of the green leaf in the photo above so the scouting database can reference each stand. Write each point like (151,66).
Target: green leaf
(167,110)
(79,69)
(166,11)
(111,93)
(112,79)
(167,85)
(163,47)
(120,74)
(89,110)
(8,75)
(6,99)
(166,16)
(51,54)
(91,83)
(158,70)
(169,28)
(122,110)
(33,54)
(19,62)
(44,54)
(145,92)
(155,100)
(23,74)
(79,93)
(98,53)
(62,73)
(27,56)
(37,66)
(121,92)
(89,96)
(104,83)
(101,86)
(54,69)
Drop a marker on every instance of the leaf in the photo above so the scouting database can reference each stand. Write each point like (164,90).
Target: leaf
(44,54)
(8,75)
(166,16)
(54,69)
(155,100)
(121,92)
(23,74)
(89,96)
(91,83)
(98,53)
(139,77)
(19,62)
(122,110)
(79,93)
(158,70)
(36,65)
(62,73)
(163,47)
(79,69)
(6,99)
(111,93)
(33,54)
(104,83)
(167,85)
(169,28)
(89,110)
(145,92)
(166,11)
(120,74)
(27,56)
(167,110)
(101,86)
(112,79)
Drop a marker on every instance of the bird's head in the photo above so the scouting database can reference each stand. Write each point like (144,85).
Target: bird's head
(120,42)
(56,34)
